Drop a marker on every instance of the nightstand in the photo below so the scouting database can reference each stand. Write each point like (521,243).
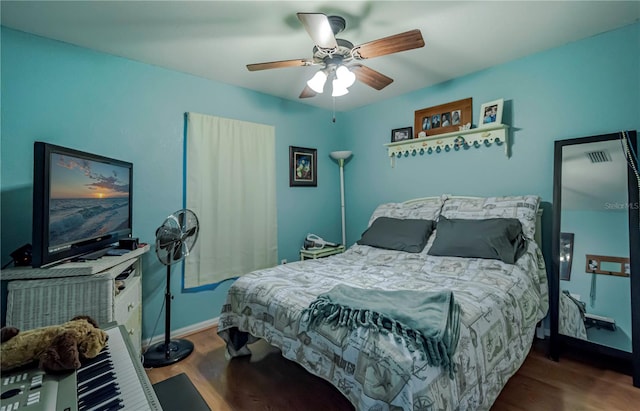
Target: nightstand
(323,252)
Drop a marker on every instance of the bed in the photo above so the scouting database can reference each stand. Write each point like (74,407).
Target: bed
(500,304)
(571,318)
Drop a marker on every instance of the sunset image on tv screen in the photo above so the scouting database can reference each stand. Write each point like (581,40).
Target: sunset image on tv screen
(88,199)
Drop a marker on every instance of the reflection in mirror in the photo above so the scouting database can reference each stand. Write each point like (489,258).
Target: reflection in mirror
(604,264)
(611,267)
(594,195)
(566,255)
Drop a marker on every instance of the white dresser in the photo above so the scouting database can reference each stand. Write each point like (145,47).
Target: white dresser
(42,297)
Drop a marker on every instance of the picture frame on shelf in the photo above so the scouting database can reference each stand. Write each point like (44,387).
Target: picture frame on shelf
(491,113)
(303,167)
(401,134)
(444,118)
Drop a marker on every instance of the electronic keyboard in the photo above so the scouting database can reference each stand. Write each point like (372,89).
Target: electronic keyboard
(113,380)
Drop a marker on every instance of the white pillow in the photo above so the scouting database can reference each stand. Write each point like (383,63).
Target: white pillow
(424,209)
(524,208)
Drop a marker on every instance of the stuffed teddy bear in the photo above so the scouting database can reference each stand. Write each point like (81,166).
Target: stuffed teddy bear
(58,348)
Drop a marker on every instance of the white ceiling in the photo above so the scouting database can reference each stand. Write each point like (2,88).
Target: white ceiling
(217,39)
(598,186)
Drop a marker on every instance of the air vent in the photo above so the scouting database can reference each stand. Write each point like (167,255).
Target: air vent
(599,156)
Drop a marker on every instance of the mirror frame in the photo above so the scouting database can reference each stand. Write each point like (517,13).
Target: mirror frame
(557,340)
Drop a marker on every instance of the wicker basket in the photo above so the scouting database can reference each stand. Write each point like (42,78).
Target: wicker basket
(39,303)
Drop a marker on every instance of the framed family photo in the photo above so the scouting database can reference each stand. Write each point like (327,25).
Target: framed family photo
(444,118)
(303,167)
(401,134)
(491,113)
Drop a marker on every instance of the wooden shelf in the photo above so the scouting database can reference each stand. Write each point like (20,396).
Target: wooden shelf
(457,140)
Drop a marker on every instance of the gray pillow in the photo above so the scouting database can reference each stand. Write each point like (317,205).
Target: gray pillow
(408,235)
(494,238)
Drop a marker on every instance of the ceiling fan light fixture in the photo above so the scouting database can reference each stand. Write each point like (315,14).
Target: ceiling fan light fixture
(345,77)
(332,52)
(338,89)
(317,82)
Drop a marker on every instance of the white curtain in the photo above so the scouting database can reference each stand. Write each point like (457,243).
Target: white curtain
(231,186)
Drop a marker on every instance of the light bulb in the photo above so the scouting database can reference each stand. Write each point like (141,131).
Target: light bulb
(317,82)
(338,89)
(346,77)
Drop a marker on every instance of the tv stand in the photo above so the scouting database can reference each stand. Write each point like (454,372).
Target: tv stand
(39,297)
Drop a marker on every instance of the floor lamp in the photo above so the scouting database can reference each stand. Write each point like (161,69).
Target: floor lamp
(341,156)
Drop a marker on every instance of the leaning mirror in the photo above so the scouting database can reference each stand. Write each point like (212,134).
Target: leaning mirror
(595,247)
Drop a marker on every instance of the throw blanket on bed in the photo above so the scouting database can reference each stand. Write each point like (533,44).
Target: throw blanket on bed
(428,321)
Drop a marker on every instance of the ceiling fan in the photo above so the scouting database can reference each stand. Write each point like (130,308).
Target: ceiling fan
(339,57)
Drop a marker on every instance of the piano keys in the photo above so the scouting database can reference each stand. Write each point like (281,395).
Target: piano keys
(113,380)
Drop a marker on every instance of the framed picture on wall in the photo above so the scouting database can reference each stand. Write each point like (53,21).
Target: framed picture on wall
(303,168)
(444,118)
(491,113)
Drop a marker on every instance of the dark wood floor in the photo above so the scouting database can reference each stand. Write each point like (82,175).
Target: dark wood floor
(267,381)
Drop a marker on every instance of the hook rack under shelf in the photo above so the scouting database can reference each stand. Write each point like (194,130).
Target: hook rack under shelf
(464,139)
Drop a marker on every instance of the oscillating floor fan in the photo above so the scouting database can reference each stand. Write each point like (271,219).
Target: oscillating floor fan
(174,240)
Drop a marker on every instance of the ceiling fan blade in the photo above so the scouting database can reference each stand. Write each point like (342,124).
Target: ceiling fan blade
(393,44)
(278,64)
(370,77)
(318,27)
(307,92)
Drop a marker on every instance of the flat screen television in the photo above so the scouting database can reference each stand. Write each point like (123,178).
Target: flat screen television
(82,203)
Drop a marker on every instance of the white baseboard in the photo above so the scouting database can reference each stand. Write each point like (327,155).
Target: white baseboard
(182,332)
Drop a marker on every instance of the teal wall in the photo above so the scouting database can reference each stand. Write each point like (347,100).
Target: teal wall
(124,109)
(584,88)
(601,233)
(90,101)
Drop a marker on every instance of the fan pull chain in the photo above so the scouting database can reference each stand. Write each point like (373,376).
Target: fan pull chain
(334,110)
